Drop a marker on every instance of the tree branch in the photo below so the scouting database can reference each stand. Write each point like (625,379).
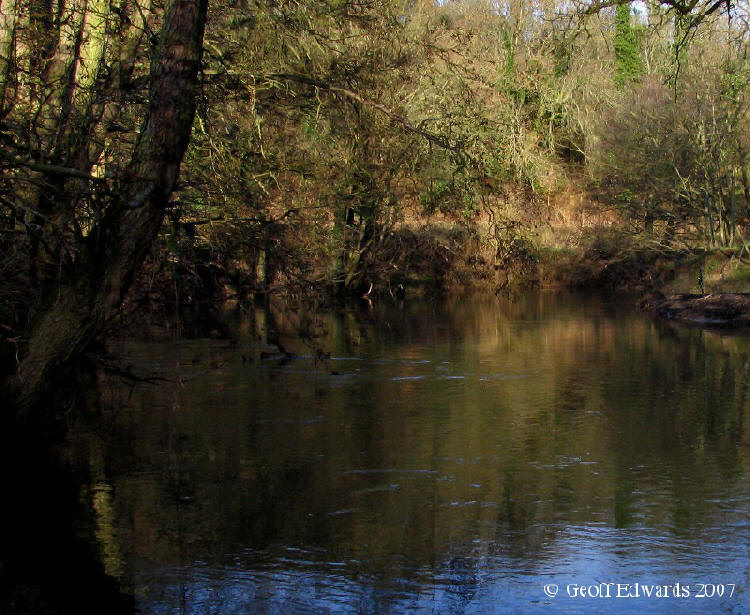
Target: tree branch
(683,7)
(51,169)
(325,85)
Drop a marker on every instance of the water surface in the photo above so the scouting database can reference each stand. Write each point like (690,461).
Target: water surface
(466,458)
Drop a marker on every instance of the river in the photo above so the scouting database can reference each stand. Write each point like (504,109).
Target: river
(554,454)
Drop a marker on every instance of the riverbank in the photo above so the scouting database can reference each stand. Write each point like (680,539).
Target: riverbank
(187,292)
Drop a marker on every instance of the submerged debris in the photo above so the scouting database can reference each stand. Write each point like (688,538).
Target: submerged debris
(722,309)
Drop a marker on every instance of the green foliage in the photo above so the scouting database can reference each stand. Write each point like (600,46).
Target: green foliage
(469,206)
(734,80)
(309,127)
(628,62)
(435,195)
(563,55)
(626,197)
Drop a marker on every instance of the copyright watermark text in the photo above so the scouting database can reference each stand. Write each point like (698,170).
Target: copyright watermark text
(640,590)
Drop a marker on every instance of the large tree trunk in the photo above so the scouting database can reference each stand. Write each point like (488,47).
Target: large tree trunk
(91,292)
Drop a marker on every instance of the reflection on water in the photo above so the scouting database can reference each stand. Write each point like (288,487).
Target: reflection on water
(445,459)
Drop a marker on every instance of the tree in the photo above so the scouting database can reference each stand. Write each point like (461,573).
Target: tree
(85,206)
(628,62)
(674,159)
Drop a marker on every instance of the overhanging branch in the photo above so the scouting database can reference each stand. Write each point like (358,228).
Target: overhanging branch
(395,117)
(683,7)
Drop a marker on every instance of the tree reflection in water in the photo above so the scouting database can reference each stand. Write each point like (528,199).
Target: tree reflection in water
(460,458)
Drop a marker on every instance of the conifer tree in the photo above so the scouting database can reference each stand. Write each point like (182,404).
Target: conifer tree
(628,61)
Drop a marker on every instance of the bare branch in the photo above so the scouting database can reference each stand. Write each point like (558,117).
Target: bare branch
(51,169)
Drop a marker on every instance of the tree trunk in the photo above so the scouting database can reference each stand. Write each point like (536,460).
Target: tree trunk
(58,79)
(7,34)
(91,293)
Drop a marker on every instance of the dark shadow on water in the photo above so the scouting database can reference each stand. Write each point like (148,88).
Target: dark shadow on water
(49,561)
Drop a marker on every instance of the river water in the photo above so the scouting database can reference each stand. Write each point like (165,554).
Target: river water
(555,454)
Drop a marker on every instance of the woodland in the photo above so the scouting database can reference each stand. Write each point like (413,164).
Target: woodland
(161,154)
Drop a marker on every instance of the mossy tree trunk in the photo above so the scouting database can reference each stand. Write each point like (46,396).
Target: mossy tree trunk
(90,293)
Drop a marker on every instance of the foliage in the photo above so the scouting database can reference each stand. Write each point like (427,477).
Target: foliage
(679,152)
(327,129)
(628,63)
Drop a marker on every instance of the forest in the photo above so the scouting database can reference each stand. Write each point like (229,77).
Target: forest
(163,155)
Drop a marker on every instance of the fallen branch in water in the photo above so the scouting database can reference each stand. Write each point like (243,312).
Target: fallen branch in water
(721,309)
